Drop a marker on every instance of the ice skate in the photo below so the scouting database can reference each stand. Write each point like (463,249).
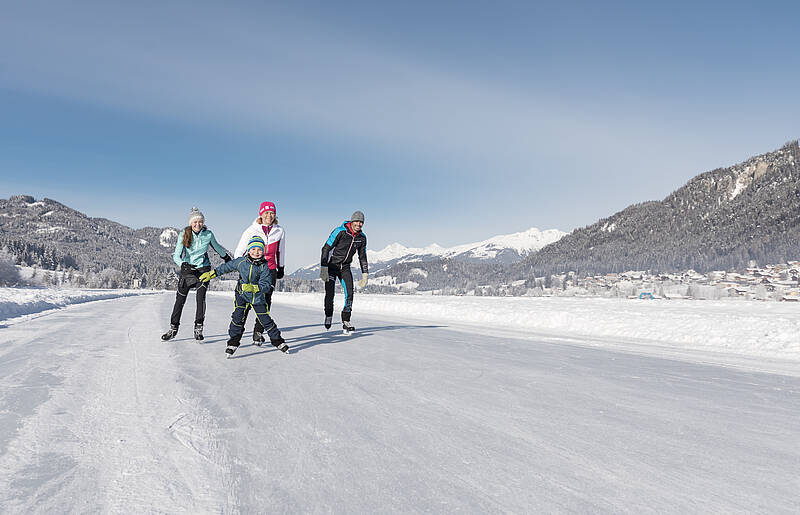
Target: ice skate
(173,330)
(233,344)
(258,338)
(279,344)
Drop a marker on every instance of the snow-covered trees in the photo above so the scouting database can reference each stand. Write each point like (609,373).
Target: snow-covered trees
(9,275)
(50,236)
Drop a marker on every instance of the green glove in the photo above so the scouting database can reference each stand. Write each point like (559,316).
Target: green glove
(363,281)
(207,276)
(323,273)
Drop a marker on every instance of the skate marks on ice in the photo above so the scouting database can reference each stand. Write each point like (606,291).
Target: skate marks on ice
(439,420)
(419,419)
(323,337)
(24,389)
(306,341)
(208,338)
(249,350)
(94,425)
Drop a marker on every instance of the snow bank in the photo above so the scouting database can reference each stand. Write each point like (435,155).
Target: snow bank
(747,328)
(16,302)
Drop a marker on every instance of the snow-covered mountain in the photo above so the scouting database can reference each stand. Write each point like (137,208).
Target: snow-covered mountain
(49,235)
(502,249)
(721,219)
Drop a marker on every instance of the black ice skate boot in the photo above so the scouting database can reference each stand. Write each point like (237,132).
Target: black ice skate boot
(279,344)
(198,332)
(347,327)
(233,344)
(173,330)
(258,338)
(328,322)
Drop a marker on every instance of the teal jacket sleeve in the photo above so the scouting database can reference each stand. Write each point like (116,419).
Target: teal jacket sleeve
(177,256)
(219,249)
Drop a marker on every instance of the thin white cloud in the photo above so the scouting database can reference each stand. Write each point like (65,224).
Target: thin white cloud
(270,71)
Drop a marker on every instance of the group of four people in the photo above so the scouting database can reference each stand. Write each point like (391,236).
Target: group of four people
(260,259)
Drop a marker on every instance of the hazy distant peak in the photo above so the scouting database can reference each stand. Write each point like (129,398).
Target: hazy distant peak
(505,248)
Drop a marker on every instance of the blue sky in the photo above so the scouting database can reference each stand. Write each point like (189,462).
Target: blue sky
(444,122)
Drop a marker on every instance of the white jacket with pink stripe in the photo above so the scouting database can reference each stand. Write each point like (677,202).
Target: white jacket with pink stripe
(273,236)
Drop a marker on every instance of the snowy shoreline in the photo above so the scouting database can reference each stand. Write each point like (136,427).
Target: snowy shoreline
(749,330)
(18,302)
(764,330)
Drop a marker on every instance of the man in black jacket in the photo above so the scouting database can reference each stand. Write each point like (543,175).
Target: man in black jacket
(337,254)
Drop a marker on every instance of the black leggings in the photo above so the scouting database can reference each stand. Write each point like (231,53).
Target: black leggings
(188,281)
(345,276)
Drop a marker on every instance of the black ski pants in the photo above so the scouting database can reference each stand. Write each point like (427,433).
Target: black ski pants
(345,277)
(259,328)
(189,280)
(239,317)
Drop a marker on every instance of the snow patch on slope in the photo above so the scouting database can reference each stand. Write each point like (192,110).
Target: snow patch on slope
(167,236)
(48,229)
(754,168)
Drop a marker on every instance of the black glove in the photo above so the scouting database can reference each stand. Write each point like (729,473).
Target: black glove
(187,268)
(280,273)
(227,258)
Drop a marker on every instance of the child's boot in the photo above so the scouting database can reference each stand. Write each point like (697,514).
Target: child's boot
(279,343)
(233,344)
(258,337)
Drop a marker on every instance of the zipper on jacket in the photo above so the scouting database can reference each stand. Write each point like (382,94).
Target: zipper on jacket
(352,240)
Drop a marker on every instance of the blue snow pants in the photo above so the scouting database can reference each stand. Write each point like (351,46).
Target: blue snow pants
(239,317)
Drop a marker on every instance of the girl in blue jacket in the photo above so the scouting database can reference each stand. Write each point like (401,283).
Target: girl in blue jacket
(256,283)
(191,254)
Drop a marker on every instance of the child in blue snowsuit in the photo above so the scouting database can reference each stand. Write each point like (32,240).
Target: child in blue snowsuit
(256,281)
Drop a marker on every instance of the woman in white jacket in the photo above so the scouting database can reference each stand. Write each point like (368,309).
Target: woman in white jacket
(265,226)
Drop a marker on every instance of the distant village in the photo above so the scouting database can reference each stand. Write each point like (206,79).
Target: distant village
(779,282)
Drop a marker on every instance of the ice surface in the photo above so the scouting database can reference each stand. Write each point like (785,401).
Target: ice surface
(97,414)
